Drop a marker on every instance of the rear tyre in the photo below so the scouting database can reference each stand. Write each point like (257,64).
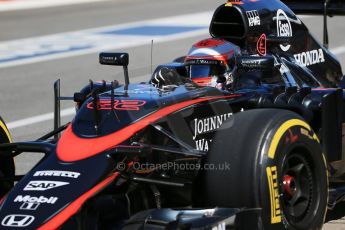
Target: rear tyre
(7,167)
(276,163)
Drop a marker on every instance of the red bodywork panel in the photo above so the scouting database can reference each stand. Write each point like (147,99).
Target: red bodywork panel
(73,148)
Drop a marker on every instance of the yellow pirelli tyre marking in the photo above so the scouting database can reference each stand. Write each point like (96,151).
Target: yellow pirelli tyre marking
(272,171)
(272,177)
(3,127)
(282,129)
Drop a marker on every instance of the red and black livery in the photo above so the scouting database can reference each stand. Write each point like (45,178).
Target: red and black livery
(264,154)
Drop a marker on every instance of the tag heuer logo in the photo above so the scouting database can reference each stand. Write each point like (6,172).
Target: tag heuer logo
(43,185)
(17,220)
(253,18)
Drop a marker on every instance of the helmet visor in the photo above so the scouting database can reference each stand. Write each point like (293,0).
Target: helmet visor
(199,71)
(204,71)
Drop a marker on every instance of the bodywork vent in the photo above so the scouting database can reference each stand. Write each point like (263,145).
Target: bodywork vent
(228,23)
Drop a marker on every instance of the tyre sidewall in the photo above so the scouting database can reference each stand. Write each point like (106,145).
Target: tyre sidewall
(245,143)
(7,166)
(302,138)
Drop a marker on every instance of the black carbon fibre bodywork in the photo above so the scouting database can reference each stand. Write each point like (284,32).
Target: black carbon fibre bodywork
(87,177)
(296,40)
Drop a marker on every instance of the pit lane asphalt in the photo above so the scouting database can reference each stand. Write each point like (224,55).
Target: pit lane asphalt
(26,90)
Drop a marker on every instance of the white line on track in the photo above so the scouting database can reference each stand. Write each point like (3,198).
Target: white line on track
(39,119)
(68,44)
(50,116)
(35,4)
(62,45)
(339,50)
(203,19)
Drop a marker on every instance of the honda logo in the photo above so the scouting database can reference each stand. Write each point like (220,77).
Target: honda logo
(17,220)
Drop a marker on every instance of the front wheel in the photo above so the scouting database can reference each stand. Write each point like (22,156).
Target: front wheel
(7,167)
(276,163)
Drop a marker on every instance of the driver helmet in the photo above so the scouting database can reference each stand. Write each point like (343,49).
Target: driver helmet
(211,62)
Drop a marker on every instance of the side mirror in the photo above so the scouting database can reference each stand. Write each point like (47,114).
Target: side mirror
(255,63)
(118,59)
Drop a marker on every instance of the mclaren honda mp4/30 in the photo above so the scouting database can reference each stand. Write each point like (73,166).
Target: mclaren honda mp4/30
(264,152)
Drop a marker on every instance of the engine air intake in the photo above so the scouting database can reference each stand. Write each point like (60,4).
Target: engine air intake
(229,23)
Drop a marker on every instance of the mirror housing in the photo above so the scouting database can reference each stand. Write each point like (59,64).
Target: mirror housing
(117,59)
(255,63)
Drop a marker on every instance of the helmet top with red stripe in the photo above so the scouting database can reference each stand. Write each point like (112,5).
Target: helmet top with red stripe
(209,59)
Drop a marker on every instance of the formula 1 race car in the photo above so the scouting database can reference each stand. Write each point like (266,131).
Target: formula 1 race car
(263,151)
